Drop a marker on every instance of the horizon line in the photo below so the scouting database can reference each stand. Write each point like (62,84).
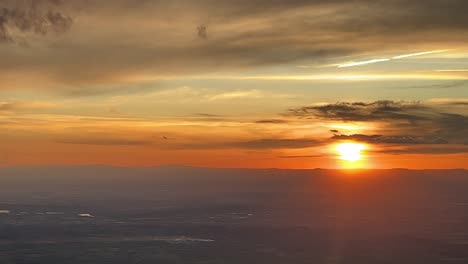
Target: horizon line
(219,168)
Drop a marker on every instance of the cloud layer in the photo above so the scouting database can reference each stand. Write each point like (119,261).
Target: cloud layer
(146,43)
(402,122)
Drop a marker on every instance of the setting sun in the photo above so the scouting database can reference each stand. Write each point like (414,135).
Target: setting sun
(350,151)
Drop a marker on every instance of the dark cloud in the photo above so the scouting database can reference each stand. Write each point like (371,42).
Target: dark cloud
(443,85)
(459,103)
(416,16)
(104,141)
(202,32)
(360,21)
(207,115)
(85,137)
(15,106)
(428,149)
(402,122)
(8,106)
(38,17)
(271,121)
(301,157)
(398,139)
(359,111)
(273,143)
(259,144)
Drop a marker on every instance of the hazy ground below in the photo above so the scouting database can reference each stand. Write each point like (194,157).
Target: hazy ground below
(99,214)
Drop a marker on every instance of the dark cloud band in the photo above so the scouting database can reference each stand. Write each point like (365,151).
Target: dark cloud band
(402,122)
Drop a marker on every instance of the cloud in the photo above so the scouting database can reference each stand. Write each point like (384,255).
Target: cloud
(401,122)
(453,70)
(273,143)
(418,54)
(8,106)
(450,101)
(361,111)
(451,84)
(360,63)
(14,106)
(202,32)
(81,136)
(103,141)
(38,17)
(236,95)
(206,115)
(301,156)
(142,45)
(397,139)
(426,149)
(255,144)
(271,121)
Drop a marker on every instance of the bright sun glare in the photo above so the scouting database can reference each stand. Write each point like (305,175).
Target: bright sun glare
(350,151)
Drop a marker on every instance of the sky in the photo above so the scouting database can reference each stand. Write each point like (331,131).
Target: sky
(255,84)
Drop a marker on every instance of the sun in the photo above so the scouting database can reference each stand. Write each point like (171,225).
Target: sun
(350,151)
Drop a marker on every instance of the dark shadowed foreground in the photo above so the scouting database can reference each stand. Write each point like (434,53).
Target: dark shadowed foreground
(97,214)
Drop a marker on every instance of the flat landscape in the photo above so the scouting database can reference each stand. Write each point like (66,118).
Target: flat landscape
(170,214)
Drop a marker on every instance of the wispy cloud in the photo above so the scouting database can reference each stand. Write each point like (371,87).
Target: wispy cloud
(236,95)
(424,149)
(341,77)
(14,106)
(419,54)
(271,121)
(256,144)
(360,63)
(104,141)
(450,101)
(453,70)
(397,139)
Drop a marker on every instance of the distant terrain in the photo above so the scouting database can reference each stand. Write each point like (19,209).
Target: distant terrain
(175,214)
